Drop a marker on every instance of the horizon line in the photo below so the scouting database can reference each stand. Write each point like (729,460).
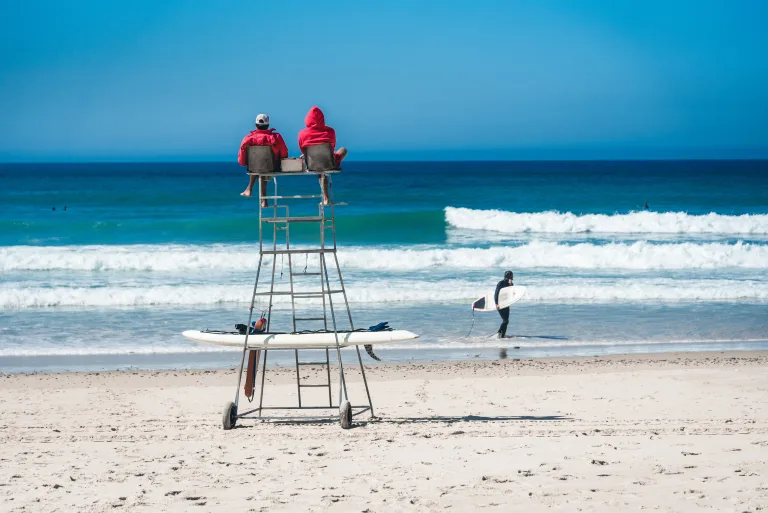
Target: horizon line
(380,161)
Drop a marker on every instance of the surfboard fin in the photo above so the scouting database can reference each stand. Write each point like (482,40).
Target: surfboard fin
(369,350)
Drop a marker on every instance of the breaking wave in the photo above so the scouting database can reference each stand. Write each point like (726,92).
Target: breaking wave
(390,291)
(537,254)
(634,222)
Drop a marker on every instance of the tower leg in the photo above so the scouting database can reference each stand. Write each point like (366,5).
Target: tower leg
(365,381)
(263,374)
(248,330)
(342,381)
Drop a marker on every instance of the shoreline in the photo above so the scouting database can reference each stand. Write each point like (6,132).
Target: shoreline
(220,360)
(98,340)
(556,365)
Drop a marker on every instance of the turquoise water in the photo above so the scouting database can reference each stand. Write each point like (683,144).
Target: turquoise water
(144,251)
(389,202)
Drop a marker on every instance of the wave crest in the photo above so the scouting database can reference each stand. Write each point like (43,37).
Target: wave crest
(536,254)
(389,291)
(634,222)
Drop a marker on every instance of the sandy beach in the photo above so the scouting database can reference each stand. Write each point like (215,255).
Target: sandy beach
(670,432)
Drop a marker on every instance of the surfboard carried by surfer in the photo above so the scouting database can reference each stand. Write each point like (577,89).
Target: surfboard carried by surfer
(500,300)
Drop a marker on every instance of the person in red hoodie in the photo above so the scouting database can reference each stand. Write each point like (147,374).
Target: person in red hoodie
(318,133)
(262,136)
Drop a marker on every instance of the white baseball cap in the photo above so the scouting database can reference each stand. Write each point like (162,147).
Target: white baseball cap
(262,119)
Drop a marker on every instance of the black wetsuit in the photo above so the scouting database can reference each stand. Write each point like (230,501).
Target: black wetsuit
(504,312)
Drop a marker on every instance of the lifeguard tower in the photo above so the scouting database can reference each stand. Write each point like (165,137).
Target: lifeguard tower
(320,318)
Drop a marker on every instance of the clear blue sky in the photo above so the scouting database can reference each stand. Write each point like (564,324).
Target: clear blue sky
(184,79)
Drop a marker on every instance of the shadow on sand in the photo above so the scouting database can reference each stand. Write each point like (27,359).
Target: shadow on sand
(357,422)
(465,418)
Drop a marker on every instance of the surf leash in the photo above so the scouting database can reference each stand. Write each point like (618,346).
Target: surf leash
(369,350)
(473,322)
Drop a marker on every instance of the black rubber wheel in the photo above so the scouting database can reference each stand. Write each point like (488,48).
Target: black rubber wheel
(345,415)
(229,418)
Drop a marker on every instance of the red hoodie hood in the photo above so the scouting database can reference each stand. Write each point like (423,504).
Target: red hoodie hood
(315,118)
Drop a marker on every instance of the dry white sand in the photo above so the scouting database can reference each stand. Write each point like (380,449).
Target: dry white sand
(675,432)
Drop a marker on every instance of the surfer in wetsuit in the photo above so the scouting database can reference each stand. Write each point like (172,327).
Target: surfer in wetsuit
(504,312)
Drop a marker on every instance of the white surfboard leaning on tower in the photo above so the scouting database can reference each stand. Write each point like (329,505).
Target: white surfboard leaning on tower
(507,296)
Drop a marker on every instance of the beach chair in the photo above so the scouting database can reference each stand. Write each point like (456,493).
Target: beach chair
(261,159)
(320,158)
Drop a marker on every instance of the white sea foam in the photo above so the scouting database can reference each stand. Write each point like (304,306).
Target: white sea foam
(634,222)
(138,257)
(532,342)
(483,342)
(536,254)
(635,256)
(392,291)
(125,348)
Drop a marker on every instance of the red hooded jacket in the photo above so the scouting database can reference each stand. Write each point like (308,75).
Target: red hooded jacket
(262,138)
(316,131)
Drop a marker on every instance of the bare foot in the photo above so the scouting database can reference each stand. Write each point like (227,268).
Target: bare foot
(246,193)
(264,203)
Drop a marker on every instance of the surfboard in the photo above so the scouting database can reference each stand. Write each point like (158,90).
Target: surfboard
(507,296)
(300,341)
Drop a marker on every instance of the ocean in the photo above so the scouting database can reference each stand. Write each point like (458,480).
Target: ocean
(103,265)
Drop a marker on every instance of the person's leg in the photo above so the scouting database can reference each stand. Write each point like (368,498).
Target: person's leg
(264,203)
(504,312)
(248,190)
(340,154)
(324,187)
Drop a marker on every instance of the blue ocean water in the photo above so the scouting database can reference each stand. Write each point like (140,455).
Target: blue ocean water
(114,260)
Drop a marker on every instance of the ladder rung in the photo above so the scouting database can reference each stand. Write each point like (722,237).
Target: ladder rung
(314,386)
(296,251)
(303,219)
(306,274)
(300,294)
(313,363)
(317,294)
(309,319)
(291,197)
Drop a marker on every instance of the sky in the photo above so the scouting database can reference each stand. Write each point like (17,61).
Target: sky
(87,80)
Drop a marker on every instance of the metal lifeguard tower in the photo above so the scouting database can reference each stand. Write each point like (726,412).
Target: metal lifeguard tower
(326,282)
